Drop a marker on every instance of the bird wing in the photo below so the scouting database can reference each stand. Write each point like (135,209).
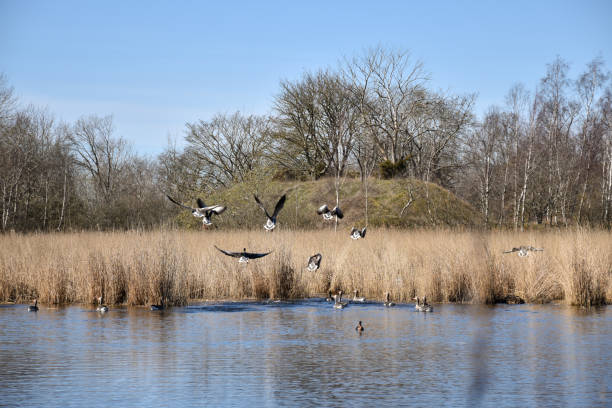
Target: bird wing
(217,209)
(201,204)
(179,204)
(315,259)
(338,212)
(229,253)
(363,232)
(279,205)
(511,250)
(323,209)
(261,206)
(353,230)
(252,255)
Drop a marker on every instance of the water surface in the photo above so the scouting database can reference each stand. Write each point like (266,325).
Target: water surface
(306,354)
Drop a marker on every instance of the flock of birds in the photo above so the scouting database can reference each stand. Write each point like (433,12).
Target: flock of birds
(314,262)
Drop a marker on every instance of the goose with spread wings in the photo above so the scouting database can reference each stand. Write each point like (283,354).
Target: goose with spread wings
(243,256)
(203,211)
(271,221)
(329,214)
(523,250)
(356,234)
(314,262)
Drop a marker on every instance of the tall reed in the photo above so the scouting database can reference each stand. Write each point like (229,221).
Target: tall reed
(176,267)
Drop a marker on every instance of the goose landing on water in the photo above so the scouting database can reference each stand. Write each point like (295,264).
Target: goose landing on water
(523,250)
(34,307)
(422,307)
(388,302)
(271,222)
(101,308)
(243,256)
(314,262)
(203,211)
(356,234)
(329,214)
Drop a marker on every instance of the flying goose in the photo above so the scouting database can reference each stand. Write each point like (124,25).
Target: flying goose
(357,299)
(271,222)
(329,214)
(314,262)
(388,302)
(422,307)
(523,250)
(359,328)
(244,255)
(356,234)
(339,304)
(34,307)
(101,308)
(203,211)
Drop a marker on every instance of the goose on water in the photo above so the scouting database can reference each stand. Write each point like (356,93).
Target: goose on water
(388,302)
(101,308)
(356,234)
(422,306)
(359,328)
(330,297)
(160,306)
(314,262)
(339,304)
(271,221)
(329,214)
(523,250)
(34,307)
(243,256)
(356,297)
(203,211)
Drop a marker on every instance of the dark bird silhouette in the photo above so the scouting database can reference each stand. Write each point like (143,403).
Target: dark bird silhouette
(243,256)
(34,307)
(356,234)
(271,221)
(329,214)
(314,262)
(359,328)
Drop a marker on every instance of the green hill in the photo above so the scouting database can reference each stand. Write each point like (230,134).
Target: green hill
(386,198)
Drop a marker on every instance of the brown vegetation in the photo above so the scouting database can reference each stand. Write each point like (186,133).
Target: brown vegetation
(176,267)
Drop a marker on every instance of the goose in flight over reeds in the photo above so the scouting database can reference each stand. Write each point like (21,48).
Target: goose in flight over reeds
(101,308)
(203,211)
(271,221)
(329,214)
(356,297)
(359,329)
(356,234)
(523,250)
(339,304)
(243,256)
(388,302)
(34,307)
(422,306)
(314,262)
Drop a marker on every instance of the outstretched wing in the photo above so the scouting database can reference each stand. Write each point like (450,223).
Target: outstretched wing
(279,205)
(363,232)
(323,209)
(338,212)
(353,230)
(252,255)
(179,204)
(217,209)
(229,253)
(261,206)
(201,204)
(511,250)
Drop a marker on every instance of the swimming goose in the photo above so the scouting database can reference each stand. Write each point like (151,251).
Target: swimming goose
(34,307)
(339,304)
(271,222)
(388,303)
(330,297)
(357,299)
(356,234)
(101,308)
(314,262)
(329,214)
(422,307)
(523,250)
(359,328)
(244,255)
(203,211)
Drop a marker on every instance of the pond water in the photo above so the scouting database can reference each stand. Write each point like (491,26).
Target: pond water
(306,354)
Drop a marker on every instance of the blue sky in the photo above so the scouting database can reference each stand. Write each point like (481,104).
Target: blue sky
(157,65)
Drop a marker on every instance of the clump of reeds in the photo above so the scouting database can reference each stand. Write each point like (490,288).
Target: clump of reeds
(176,267)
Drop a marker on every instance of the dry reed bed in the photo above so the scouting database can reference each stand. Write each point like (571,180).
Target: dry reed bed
(176,267)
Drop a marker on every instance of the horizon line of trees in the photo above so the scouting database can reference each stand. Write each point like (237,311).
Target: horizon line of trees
(544,157)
